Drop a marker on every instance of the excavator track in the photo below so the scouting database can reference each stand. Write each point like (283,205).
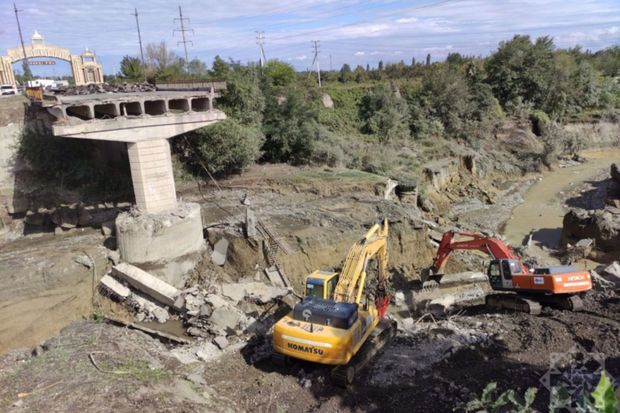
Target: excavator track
(532,304)
(513,302)
(383,334)
(563,302)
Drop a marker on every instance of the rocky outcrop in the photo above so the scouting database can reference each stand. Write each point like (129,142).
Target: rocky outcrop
(602,226)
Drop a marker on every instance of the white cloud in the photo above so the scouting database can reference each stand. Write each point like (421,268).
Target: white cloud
(592,36)
(406,20)
(360,53)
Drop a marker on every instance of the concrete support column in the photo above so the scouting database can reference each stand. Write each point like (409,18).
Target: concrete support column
(151,173)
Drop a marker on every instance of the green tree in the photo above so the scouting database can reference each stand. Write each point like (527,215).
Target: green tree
(346,74)
(290,127)
(131,68)
(224,148)
(522,70)
(608,61)
(279,74)
(454,59)
(243,99)
(163,63)
(197,68)
(220,68)
(27,72)
(360,74)
(385,114)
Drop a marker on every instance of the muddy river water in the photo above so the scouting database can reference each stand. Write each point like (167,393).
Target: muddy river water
(543,209)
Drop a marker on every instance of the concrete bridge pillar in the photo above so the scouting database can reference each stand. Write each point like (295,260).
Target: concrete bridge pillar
(151,173)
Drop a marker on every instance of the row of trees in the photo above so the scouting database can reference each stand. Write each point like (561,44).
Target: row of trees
(276,115)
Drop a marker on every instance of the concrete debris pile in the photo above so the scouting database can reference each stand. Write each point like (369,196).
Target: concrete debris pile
(104,88)
(456,291)
(241,308)
(237,309)
(422,345)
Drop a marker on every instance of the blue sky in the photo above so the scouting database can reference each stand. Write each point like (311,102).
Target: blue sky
(351,31)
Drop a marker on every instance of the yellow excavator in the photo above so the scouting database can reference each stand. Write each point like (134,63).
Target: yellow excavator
(340,322)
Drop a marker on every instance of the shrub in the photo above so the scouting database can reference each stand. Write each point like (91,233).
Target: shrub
(224,148)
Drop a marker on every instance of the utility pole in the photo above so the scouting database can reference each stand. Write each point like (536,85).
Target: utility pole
(21,39)
(260,41)
(140,41)
(139,35)
(181,21)
(316,44)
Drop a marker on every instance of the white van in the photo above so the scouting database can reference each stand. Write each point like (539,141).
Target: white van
(8,90)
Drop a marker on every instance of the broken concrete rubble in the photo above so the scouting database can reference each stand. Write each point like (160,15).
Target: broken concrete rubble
(146,283)
(225,320)
(260,292)
(221,342)
(108,228)
(146,309)
(115,287)
(250,224)
(220,251)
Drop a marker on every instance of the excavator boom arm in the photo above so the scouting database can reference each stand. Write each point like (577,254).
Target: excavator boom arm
(353,275)
(480,242)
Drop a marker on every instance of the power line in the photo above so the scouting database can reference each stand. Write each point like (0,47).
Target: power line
(181,20)
(260,41)
(316,44)
(21,38)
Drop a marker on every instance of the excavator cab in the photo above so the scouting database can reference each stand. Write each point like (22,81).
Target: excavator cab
(500,273)
(321,284)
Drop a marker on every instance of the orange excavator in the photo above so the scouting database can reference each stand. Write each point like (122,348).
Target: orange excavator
(556,286)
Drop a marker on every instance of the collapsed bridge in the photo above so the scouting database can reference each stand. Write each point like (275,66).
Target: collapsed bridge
(144,120)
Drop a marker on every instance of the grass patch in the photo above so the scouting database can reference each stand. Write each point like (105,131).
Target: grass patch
(136,369)
(312,176)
